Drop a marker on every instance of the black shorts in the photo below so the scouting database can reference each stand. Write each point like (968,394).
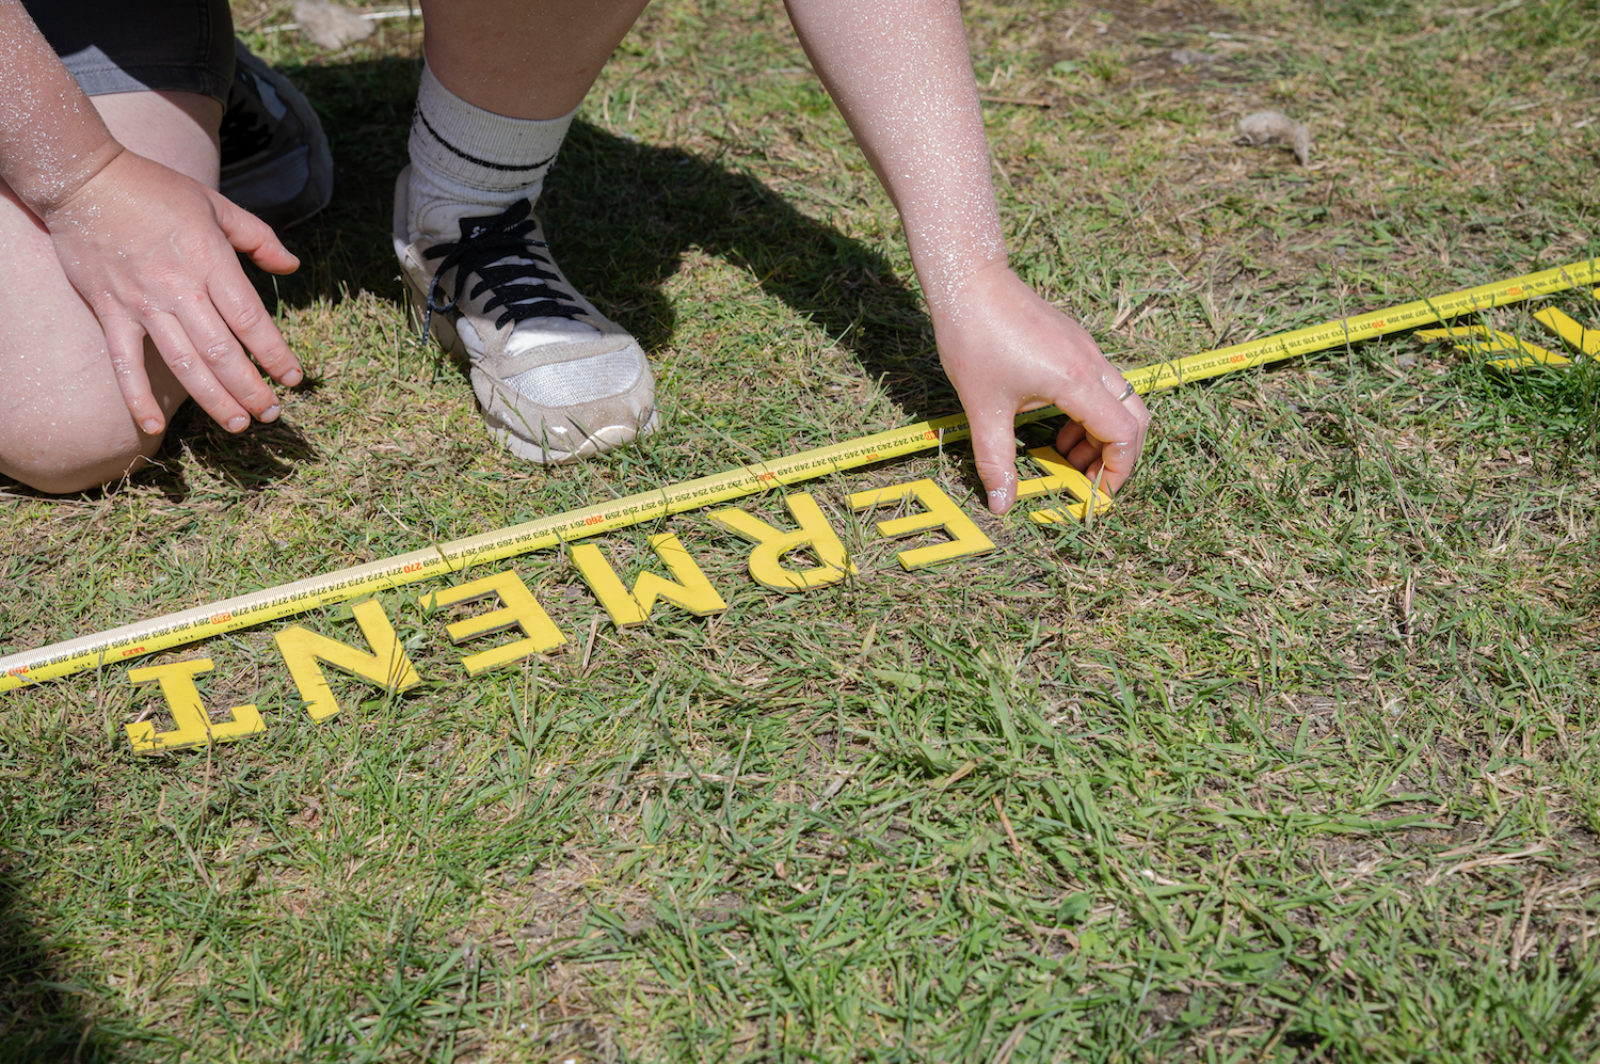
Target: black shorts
(141,45)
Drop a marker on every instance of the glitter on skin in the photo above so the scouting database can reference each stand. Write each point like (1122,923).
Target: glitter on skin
(893,68)
(65,424)
(901,75)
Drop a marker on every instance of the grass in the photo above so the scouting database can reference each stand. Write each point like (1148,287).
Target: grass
(1291,757)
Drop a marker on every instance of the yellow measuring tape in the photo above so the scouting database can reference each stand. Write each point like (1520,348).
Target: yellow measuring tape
(246,611)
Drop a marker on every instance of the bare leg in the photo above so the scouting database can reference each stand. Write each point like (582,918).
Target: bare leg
(520,59)
(64,425)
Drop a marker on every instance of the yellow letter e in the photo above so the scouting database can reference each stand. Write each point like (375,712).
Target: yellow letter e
(518,609)
(940,511)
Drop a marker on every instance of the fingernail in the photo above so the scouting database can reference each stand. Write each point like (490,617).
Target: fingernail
(151,426)
(271,413)
(238,424)
(292,378)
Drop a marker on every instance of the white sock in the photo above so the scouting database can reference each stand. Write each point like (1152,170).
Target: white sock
(465,156)
(463,153)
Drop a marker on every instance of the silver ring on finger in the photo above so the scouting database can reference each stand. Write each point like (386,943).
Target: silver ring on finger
(1126,392)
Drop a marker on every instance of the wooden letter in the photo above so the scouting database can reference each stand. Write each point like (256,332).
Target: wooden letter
(940,511)
(194,726)
(773,543)
(692,591)
(518,609)
(1059,476)
(386,665)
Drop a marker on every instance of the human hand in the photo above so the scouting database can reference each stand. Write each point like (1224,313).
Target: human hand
(1006,351)
(152,252)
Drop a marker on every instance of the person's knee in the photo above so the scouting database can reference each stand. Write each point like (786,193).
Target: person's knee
(56,464)
(67,428)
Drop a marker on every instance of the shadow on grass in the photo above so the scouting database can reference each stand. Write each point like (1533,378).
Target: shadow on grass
(644,207)
(621,216)
(38,1019)
(249,461)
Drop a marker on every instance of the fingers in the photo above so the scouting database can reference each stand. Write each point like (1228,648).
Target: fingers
(253,237)
(200,342)
(223,359)
(1110,459)
(241,309)
(994,448)
(125,347)
(1107,439)
(214,330)
(1118,458)
(193,371)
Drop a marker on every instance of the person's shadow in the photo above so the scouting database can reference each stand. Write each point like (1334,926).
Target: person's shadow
(621,216)
(39,1021)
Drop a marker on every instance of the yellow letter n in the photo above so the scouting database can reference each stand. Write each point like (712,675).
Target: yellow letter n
(386,664)
(194,726)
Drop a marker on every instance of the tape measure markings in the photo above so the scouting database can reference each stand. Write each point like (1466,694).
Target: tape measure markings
(260,607)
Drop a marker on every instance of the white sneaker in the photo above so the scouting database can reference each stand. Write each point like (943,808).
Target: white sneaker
(556,379)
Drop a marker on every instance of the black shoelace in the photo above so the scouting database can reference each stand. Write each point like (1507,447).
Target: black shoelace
(523,288)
